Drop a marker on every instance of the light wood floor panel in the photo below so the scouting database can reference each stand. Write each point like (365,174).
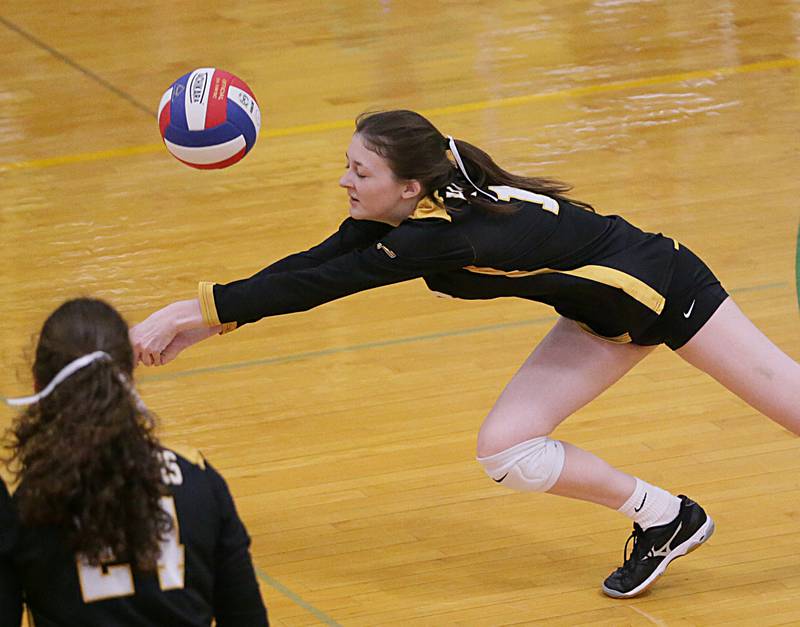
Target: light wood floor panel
(347,433)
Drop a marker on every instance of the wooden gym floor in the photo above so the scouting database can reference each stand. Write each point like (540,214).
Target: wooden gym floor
(347,433)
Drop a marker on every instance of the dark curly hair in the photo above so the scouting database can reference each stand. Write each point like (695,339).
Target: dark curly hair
(85,456)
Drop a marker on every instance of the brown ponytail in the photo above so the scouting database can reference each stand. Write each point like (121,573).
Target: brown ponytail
(415,149)
(484,172)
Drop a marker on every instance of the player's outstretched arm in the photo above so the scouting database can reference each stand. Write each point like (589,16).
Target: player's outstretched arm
(165,333)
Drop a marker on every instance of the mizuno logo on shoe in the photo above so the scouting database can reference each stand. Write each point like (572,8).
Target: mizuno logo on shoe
(664,550)
(689,313)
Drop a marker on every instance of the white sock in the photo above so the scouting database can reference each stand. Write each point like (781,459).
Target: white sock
(650,506)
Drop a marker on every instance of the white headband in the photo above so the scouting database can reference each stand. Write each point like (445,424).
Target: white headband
(68,370)
(452,143)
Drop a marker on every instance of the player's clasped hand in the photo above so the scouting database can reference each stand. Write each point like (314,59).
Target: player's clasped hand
(159,338)
(151,337)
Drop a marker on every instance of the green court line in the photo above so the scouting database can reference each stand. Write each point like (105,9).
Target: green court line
(322,616)
(271,361)
(758,288)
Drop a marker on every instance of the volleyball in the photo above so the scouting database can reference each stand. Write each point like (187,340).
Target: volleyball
(209,118)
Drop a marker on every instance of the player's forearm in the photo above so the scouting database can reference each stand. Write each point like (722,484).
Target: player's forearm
(180,316)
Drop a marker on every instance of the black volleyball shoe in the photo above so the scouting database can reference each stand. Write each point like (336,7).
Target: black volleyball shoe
(654,548)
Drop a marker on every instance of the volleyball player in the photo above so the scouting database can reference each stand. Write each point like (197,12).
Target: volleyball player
(107,527)
(426,205)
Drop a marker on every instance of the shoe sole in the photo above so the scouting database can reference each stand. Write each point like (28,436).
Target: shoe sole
(690,544)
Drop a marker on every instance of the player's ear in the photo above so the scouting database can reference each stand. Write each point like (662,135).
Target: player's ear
(411,189)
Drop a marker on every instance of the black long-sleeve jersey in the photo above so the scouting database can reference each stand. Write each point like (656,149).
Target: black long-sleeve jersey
(598,270)
(204,572)
(10,590)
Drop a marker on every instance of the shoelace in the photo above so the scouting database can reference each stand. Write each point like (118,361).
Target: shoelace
(636,552)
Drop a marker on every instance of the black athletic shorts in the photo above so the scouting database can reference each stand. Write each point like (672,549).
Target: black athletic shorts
(694,294)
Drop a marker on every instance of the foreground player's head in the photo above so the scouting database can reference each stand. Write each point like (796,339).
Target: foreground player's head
(79,327)
(84,449)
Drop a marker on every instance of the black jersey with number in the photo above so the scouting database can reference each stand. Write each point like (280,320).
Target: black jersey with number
(598,270)
(205,571)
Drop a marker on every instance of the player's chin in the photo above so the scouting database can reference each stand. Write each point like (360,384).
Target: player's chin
(357,212)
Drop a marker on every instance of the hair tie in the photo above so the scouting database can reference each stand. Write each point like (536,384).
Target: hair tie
(454,149)
(67,371)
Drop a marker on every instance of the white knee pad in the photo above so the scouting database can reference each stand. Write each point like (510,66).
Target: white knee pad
(531,466)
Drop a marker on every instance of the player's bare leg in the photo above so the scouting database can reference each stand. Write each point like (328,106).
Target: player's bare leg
(568,369)
(732,350)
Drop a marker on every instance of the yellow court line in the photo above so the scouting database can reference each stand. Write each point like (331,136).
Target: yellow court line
(481,105)
(81,157)
(616,86)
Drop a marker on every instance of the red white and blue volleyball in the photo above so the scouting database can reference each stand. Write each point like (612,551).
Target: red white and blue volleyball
(209,118)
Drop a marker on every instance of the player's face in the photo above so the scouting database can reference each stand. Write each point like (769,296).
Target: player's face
(375,192)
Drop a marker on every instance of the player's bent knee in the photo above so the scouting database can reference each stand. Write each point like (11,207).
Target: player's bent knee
(495,436)
(530,466)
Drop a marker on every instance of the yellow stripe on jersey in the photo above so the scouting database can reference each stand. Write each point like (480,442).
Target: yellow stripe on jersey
(632,286)
(208,308)
(205,294)
(625,338)
(426,208)
(227,327)
(189,453)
